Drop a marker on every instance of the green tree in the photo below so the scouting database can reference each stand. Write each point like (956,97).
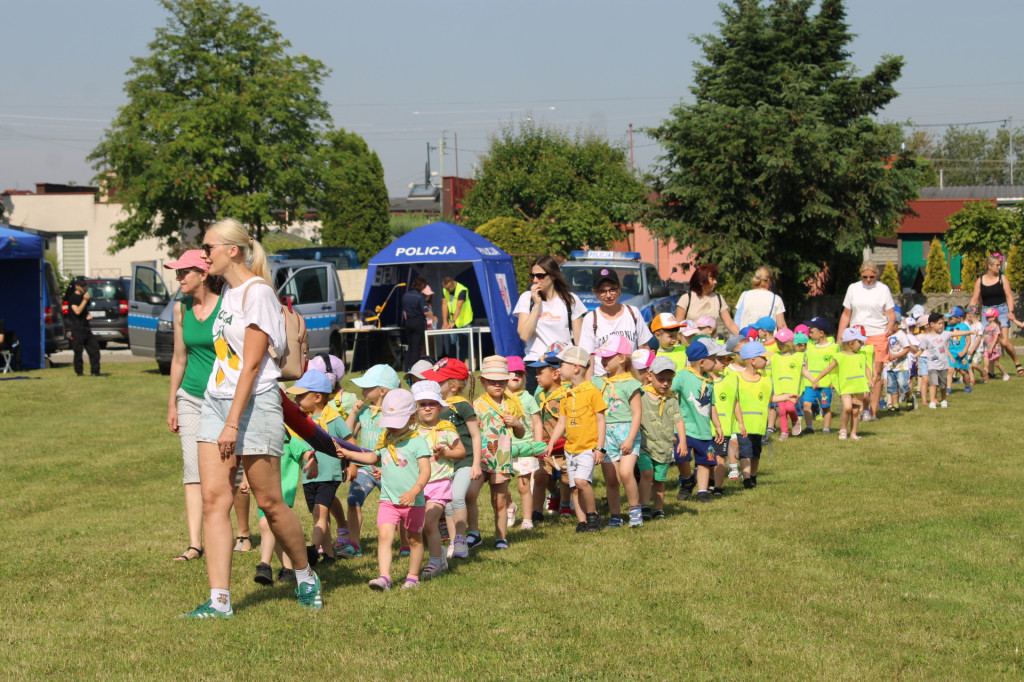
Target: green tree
(936,272)
(970,267)
(220,121)
(972,156)
(890,279)
(354,199)
(980,228)
(277,240)
(519,239)
(1015,268)
(779,159)
(580,187)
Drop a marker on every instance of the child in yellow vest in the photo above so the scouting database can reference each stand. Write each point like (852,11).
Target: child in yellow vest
(820,350)
(755,394)
(787,377)
(853,380)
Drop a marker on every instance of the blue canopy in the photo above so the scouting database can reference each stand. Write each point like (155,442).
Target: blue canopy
(436,251)
(21,292)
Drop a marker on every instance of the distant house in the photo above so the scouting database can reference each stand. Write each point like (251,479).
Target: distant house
(933,209)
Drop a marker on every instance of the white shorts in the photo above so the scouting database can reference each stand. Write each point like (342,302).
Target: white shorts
(580,466)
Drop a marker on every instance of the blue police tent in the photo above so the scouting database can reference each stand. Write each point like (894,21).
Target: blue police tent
(438,250)
(21,292)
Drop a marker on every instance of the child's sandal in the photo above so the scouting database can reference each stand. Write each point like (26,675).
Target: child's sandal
(240,540)
(842,434)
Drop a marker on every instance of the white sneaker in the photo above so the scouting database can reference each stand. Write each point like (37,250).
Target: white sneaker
(1006,377)
(944,404)
(511,512)
(797,429)
(734,475)
(932,406)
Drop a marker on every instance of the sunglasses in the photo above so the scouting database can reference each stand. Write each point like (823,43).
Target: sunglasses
(180,274)
(208,248)
(868,277)
(538,275)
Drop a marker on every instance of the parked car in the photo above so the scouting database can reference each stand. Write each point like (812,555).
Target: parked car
(641,285)
(312,286)
(54,324)
(108,306)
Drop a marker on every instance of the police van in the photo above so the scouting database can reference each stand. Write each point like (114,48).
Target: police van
(641,284)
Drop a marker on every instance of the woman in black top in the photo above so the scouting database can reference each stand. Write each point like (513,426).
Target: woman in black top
(992,290)
(414,314)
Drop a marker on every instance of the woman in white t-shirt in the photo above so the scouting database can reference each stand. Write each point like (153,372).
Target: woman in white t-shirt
(242,422)
(548,314)
(760,301)
(611,317)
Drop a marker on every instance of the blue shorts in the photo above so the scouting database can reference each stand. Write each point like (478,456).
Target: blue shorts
(1004,312)
(897,383)
(361,487)
(750,447)
(260,428)
(705,452)
(675,452)
(822,396)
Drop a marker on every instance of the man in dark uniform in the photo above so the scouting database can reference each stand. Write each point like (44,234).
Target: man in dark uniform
(78,323)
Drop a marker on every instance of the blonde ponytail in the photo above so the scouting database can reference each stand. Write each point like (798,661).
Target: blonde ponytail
(235,234)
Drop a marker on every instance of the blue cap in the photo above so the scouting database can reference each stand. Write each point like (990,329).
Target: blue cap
(765,324)
(378,375)
(800,337)
(899,311)
(313,380)
(957,311)
(696,351)
(749,332)
(819,323)
(752,350)
(549,359)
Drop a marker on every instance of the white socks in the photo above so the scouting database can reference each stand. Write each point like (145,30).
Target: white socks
(305,575)
(221,600)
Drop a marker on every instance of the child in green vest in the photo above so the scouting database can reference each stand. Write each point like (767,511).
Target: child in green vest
(853,380)
(755,394)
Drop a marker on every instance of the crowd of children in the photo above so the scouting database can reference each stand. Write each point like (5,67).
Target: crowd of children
(708,407)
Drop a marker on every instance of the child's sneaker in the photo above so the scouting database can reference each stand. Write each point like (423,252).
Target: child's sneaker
(615,521)
(581,526)
(933,406)
(1006,377)
(748,483)
(536,517)
(264,574)
(635,517)
(797,429)
(734,474)
(309,594)
(686,488)
(826,431)
(380,584)
(527,524)
(808,431)
(430,571)
(969,389)
(349,551)
(944,403)
(461,550)
(286,575)
(645,513)
(552,507)
(501,543)
(593,522)
(511,512)
(783,436)
(207,611)
(473,540)
(565,513)
(703,496)
(658,515)
(340,541)
(842,434)
(442,526)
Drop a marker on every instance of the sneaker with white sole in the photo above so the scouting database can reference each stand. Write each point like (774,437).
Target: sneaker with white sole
(207,611)
(734,474)
(309,594)
(797,429)
(380,584)
(432,570)
(461,550)
(933,406)
(944,403)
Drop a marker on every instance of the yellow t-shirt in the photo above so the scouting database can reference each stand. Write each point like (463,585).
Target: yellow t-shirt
(580,407)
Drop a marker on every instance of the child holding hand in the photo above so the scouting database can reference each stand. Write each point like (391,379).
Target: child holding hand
(530,476)
(853,380)
(663,438)
(755,394)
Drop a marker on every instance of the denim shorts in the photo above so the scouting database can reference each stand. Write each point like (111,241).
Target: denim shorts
(360,488)
(898,383)
(260,428)
(1004,314)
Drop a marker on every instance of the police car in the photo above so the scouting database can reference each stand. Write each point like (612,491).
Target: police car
(641,285)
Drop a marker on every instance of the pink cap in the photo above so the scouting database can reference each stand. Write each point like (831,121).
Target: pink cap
(643,357)
(689,328)
(396,408)
(923,320)
(784,335)
(799,329)
(193,258)
(617,344)
(427,291)
(515,364)
(706,321)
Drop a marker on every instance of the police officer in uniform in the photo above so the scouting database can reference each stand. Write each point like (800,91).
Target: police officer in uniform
(78,323)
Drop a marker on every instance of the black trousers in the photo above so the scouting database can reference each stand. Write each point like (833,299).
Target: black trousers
(85,340)
(413,342)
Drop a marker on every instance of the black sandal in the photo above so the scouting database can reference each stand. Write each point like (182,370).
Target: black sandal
(239,539)
(184,555)
(1020,370)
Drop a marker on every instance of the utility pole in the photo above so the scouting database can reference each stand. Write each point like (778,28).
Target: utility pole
(631,163)
(1010,125)
(444,134)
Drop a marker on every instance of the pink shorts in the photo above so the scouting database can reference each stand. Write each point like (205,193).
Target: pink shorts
(881,344)
(410,517)
(438,492)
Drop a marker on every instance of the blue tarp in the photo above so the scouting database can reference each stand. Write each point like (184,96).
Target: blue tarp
(438,250)
(21,292)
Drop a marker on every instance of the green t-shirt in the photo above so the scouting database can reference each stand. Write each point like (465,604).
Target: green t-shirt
(458,414)
(530,408)
(291,466)
(696,397)
(198,339)
(400,470)
(658,426)
(616,396)
(368,419)
(329,467)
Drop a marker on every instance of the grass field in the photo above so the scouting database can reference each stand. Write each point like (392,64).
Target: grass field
(896,557)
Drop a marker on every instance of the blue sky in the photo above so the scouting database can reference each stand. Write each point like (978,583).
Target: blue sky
(404,74)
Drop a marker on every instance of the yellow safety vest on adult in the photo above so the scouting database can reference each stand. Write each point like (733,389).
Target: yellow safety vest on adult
(452,301)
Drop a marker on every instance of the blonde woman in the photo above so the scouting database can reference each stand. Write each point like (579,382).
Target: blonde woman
(992,290)
(242,421)
(760,301)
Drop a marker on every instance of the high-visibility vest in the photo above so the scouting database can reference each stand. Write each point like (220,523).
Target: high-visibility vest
(452,300)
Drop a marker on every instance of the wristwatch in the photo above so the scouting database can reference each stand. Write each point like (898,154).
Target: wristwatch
(602,451)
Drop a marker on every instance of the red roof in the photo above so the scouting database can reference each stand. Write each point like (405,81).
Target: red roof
(931,215)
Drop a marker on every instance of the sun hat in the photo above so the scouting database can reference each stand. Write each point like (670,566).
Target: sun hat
(917,310)
(445,369)
(643,357)
(733,341)
(665,321)
(749,332)
(378,375)
(696,351)
(751,350)
(396,408)
(617,344)
(661,364)
(193,258)
(765,323)
(312,380)
(784,335)
(606,275)
(800,338)
(419,367)
(801,329)
(853,334)
(428,390)
(922,320)
(336,372)
(706,321)
(515,364)
(575,355)
(495,368)
(819,323)
(991,312)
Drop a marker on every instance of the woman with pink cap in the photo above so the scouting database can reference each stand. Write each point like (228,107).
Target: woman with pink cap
(612,318)
(191,366)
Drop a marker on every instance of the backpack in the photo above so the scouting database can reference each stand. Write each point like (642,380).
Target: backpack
(292,360)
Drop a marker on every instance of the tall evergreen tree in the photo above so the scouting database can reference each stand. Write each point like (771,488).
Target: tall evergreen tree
(937,279)
(778,160)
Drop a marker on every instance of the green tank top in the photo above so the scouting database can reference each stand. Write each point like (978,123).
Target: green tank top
(787,372)
(754,397)
(725,400)
(851,374)
(198,338)
(818,358)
